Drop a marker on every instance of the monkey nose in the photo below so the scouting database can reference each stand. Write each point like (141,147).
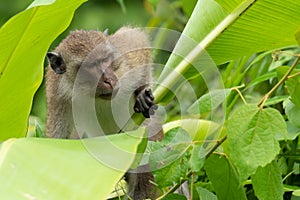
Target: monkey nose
(109,83)
(106,86)
(106,89)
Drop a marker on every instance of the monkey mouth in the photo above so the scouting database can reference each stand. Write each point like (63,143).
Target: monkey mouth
(107,95)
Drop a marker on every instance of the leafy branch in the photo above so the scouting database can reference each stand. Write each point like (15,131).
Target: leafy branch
(219,142)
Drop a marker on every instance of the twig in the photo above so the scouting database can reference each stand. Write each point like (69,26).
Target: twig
(264,99)
(216,146)
(289,174)
(294,75)
(192,186)
(239,92)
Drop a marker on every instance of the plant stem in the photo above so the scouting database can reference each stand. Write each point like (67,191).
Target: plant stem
(294,75)
(284,78)
(192,186)
(239,93)
(216,146)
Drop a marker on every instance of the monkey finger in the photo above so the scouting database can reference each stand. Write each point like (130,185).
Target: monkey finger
(146,114)
(148,92)
(136,109)
(139,106)
(149,100)
(143,103)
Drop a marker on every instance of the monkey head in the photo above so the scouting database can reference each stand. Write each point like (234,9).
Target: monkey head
(88,59)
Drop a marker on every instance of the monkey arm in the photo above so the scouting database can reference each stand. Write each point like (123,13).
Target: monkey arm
(145,102)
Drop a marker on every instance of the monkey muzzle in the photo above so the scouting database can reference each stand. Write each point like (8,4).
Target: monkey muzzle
(107,86)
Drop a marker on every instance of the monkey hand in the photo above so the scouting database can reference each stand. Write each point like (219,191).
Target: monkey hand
(145,102)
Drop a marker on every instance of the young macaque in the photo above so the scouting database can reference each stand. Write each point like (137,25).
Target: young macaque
(94,83)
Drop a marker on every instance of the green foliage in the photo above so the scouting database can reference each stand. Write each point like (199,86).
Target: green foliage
(260,110)
(253,131)
(25,39)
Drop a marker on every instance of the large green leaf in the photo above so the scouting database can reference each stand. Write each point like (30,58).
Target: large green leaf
(39,168)
(24,41)
(267,182)
(226,30)
(252,137)
(224,178)
(261,25)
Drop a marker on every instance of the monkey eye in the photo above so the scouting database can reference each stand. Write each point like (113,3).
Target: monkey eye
(107,61)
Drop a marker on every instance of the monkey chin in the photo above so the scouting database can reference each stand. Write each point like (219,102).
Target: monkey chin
(107,95)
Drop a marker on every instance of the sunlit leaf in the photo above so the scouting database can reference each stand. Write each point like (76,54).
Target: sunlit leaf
(40,168)
(24,41)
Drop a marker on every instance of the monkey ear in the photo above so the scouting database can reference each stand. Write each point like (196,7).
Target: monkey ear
(56,62)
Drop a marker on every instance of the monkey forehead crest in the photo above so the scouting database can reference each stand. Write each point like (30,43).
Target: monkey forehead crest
(81,42)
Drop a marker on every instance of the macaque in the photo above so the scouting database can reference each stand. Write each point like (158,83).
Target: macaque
(94,83)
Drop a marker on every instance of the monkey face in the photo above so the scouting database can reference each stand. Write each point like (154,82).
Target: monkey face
(95,74)
(99,68)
